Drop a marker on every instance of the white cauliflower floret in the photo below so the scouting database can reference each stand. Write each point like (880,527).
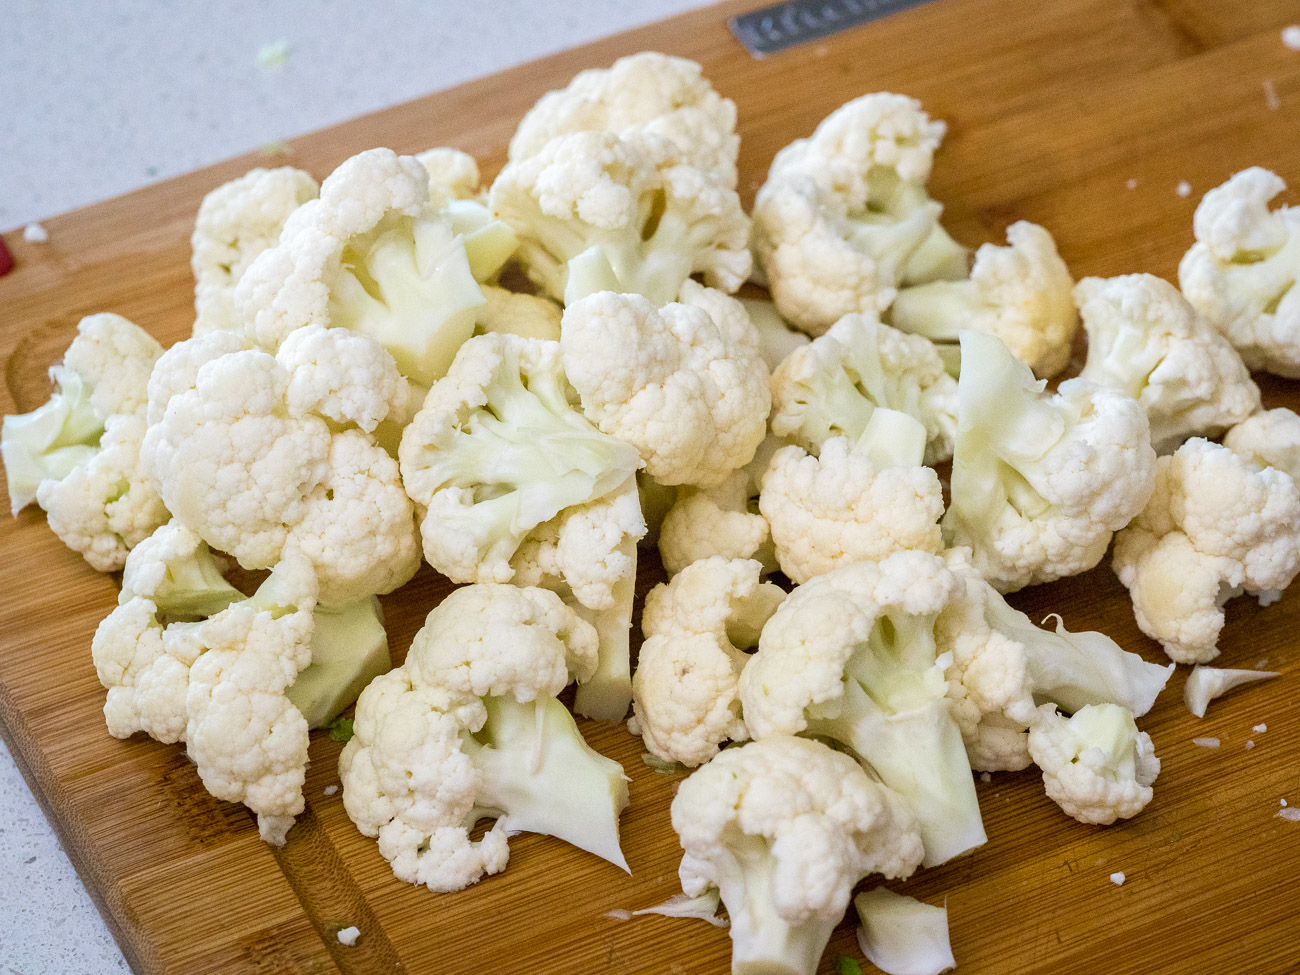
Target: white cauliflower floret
(697,628)
(1216,525)
(341,377)
(469,728)
(831,387)
(776,339)
(238,221)
(1145,340)
(530,316)
(1241,272)
(853,503)
(596,212)
(784,828)
(1020,293)
(1096,765)
(1270,438)
(373,254)
(645,92)
(852,656)
(452,173)
(673,382)
(1040,482)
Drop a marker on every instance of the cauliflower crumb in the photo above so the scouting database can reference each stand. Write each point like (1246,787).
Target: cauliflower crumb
(1206,742)
(1270,95)
(1291,37)
(1283,802)
(1132,184)
(1291,815)
(985,777)
(1118,878)
(34,233)
(349,936)
(1260,728)
(1249,744)
(273,55)
(331,790)
(1184,188)
(618,915)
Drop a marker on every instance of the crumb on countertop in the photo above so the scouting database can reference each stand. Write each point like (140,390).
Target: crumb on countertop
(1184,188)
(1206,742)
(1291,37)
(349,936)
(1118,878)
(34,233)
(331,789)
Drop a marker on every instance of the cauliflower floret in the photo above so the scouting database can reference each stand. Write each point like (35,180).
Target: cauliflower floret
(1241,272)
(530,316)
(238,221)
(785,828)
(831,387)
(1270,438)
(451,172)
(1216,525)
(673,382)
(697,628)
(596,212)
(1096,765)
(1040,482)
(1020,293)
(646,92)
(470,728)
(342,377)
(853,503)
(1145,340)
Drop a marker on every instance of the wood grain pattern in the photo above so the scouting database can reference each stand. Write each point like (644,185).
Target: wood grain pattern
(1052,108)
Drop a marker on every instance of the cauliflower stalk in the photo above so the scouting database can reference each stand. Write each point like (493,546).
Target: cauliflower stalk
(1204,684)
(776,339)
(900,935)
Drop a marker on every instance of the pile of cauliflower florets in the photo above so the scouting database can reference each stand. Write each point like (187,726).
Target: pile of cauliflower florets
(530,384)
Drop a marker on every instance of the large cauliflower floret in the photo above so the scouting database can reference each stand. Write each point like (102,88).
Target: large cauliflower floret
(697,628)
(468,729)
(853,502)
(1096,765)
(844,214)
(241,456)
(374,254)
(851,656)
(596,212)
(1020,293)
(1145,340)
(1216,525)
(1003,667)
(1040,482)
(784,828)
(1242,271)
(646,92)
(690,394)
(238,221)
(77,455)
(831,387)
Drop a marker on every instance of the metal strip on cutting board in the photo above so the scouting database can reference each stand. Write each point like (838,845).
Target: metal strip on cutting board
(784,25)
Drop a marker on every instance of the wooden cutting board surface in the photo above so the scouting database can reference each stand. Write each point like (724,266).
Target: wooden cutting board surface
(1054,110)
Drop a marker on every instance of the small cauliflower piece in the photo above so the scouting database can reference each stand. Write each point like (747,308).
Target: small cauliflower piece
(452,173)
(529,316)
(596,212)
(1020,293)
(853,502)
(831,387)
(1096,765)
(776,339)
(645,92)
(1145,340)
(237,222)
(675,382)
(784,828)
(1204,684)
(697,628)
(469,728)
(1216,525)
(1270,438)
(900,935)
(1040,482)
(852,656)
(1241,272)
(349,649)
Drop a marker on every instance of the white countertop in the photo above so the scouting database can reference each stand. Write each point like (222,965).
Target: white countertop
(103,98)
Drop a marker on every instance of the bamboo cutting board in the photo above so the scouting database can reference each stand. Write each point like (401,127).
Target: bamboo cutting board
(1053,108)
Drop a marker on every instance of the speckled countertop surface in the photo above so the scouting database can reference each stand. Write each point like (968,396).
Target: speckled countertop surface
(107,97)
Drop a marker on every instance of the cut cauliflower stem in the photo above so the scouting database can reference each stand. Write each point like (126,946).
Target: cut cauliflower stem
(697,628)
(776,339)
(468,729)
(77,456)
(242,451)
(685,386)
(1204,684)
(646,92)
(1020,293)
(851,656)
(784,828)
(1096,765)
(1145,340)
(843,218)
(831,387)
(1003,667)
(379,254)
(238,221)
(1218,524)
(1040,482)
(1241,272)
(853,502)
(901,935)
(595,212)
